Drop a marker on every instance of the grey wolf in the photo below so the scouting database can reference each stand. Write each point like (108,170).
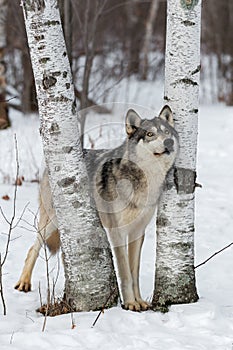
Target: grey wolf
(126,184)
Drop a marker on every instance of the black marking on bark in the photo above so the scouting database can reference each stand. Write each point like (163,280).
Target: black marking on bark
(185,180)
(189,4)
(56,74)
(188,23)
(166,98)
(60,99)
(48,82)
(51,23)
(54,129)
(183,204)
(182,246)
(74,107)
(64,54)
(196,70)
(44,60)
(67,85)
(64,74)
(195,110)
(57,168)
(76,204)
(185,81)
(162,221)
(39,37)
(198,185)
(35,5)
(41,47)
(67,181)
(67,149)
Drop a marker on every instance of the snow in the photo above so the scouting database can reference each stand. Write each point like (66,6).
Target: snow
(207,324)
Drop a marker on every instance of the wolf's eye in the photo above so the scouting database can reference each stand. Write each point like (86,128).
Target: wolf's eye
(150,134)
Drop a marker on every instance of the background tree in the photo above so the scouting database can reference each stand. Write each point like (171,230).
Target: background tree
(119,47)
(147,40)
(174,276)
(217,45)
(4,119)
(89,273)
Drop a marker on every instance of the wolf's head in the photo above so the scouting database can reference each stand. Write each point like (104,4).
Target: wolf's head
(156,137)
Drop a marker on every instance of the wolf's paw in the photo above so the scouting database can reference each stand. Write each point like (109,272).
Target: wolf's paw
(23,285)
(132,306)
(139,305)
(143,304)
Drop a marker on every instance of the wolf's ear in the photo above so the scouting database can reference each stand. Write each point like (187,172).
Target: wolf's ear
(132,122)
(167,115)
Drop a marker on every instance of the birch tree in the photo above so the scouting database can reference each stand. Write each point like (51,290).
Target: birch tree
(89,273)
(4,120)
(174,276)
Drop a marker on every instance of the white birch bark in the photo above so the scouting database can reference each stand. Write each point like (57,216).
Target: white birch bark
(175,275)
(4,120)
(89,273)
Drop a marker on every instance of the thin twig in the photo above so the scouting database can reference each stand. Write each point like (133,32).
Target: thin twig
(104,306)
(39,289)
(56,278)
(11,226)
(11,339)
(21,216)
(213,255)
(4,216)
(9,99)
(1,288)
(29,317)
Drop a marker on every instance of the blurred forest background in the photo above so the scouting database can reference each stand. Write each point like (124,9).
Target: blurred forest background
(108,41)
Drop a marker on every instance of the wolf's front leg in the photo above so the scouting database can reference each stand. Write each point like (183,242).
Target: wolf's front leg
(134,252)
(126,282)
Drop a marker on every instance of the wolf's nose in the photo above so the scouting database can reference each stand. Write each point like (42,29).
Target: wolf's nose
(168,144)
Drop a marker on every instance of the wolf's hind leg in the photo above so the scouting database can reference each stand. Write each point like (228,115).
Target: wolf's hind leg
(24,283)
(134,252)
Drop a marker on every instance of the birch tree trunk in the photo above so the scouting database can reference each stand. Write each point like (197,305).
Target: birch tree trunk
(175,276)
(147,39)
(4,119)
(89,273)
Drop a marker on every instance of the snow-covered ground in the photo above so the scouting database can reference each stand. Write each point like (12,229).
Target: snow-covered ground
(207,324)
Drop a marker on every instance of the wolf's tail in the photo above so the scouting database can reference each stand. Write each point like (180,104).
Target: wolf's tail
(53,242)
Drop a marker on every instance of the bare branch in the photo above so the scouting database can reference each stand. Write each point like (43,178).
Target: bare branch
(213,255)
(1,288)
(9,99)
(104,306)
(5,218)
(21,216)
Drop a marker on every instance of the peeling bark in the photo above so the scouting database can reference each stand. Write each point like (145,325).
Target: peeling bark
(175,276)
(89,273)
